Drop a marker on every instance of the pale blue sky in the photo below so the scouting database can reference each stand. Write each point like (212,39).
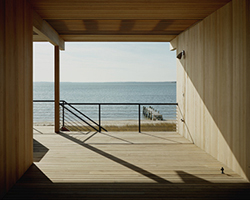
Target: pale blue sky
(106,62)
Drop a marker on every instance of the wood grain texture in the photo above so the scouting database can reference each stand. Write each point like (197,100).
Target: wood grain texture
(2,101)
(123,9)
(118,38)
(16,91)
(120,27)
(108,19)
(124,165)
(122,157)
(43,29)
(248,85)
(28,84)
(212,85)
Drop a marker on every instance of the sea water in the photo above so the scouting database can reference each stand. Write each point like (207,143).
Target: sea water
(108,92)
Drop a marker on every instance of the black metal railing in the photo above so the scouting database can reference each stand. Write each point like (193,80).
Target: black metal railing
(69,110)
(90,116)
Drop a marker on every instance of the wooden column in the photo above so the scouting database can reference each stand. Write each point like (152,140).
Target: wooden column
(57,89)
(16,97)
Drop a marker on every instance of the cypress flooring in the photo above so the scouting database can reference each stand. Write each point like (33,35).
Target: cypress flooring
(124,165)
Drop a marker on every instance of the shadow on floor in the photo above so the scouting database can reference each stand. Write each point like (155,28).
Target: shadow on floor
(34,184)
(117,160)
(38,131)
(39,151)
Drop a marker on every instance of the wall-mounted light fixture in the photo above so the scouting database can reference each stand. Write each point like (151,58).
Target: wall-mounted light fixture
(179,56)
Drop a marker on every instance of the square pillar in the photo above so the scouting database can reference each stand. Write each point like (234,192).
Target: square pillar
(16,91)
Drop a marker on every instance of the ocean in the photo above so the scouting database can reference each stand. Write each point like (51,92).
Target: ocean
(108,92)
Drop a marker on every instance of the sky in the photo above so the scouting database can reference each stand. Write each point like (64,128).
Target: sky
(106,62)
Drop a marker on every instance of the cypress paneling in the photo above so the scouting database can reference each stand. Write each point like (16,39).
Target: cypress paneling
(248,85)
(28,84)
(213,85)
(2,101)
(16,91)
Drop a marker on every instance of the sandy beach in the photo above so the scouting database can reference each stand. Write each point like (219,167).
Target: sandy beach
(114,122)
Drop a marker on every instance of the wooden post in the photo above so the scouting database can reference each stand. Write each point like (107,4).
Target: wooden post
(139,112)
(16,91)
(57,89)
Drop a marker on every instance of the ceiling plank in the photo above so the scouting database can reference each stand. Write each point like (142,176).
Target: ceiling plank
(120,27)
(126,9)
(43,29)
(91,25)
(127,25)
(123,20)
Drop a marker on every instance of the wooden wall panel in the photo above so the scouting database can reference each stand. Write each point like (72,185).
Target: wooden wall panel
(248,85)
(20,85)
(10,95)
(16,91)
(2,101)
(239,85)
(213,85)
(28,84)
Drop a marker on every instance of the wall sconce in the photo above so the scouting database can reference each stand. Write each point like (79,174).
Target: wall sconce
(179,56)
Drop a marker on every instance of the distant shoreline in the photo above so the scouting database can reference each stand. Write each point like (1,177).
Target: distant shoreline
(109,82)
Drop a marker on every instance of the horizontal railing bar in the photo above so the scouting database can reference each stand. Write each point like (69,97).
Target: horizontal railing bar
(167,110)
(170,104)
(136,104)
(43,101)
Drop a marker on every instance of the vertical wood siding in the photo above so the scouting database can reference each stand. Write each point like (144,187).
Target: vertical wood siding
(213,85)
(16,81)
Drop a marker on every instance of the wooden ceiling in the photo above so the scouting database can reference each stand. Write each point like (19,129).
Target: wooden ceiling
(122,20)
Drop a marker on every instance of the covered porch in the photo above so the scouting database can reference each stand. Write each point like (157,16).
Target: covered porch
(212,94)
(123,165)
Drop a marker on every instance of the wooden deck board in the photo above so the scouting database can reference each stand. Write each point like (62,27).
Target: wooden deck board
(124,166)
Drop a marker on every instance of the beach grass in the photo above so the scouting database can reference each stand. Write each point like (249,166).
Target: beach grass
(131,127)
(144,127)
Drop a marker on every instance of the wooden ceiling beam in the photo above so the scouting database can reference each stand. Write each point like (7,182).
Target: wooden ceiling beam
(126,9)
(91,25)
(123,20)
(118,38)
(38,38)
(44,30)
(127,25)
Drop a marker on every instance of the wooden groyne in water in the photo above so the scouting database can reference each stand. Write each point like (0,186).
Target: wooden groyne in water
(151,113)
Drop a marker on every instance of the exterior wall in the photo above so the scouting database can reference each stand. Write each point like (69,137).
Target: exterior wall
(213,82)
(16,142)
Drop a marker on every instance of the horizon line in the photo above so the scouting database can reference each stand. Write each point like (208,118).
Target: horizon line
(106,82)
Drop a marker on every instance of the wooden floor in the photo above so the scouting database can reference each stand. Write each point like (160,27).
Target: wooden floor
(124,166)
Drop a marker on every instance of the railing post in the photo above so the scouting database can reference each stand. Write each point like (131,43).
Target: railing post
(139,108)
(63,113)
(100,129)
